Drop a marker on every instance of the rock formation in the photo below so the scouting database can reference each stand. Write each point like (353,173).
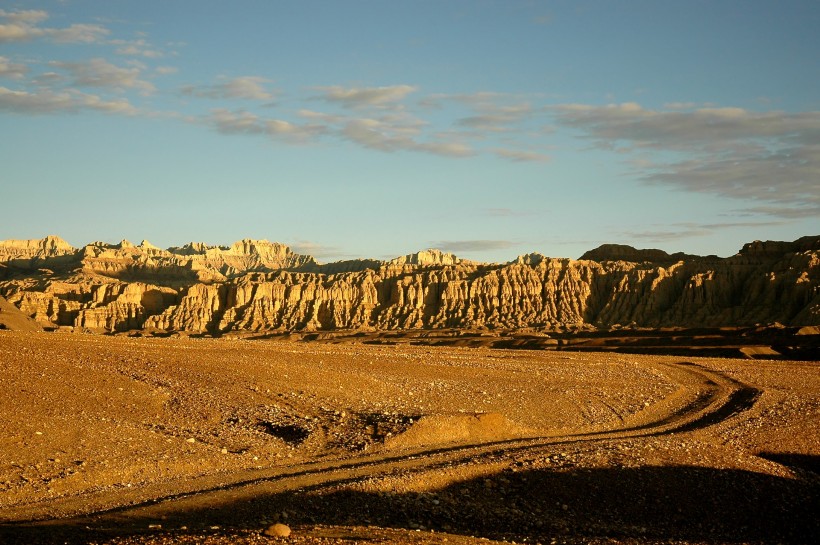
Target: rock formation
(428,258)
(265,287)
(194,261)
(622,252)
(49,246)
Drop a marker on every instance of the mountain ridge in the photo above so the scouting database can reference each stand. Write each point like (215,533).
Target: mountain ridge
(261,286)
(276,255)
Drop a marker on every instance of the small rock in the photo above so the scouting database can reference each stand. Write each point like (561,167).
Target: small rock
(191,440)
(277,530)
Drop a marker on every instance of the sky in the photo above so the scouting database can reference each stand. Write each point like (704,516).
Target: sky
(374,129)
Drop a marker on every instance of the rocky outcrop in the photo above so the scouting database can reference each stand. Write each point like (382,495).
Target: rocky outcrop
(192,261)
(350,265)
(49,246)
(428,258)
(622,252)
(123,306)
(144,262)
(764,283)
(529,259)
(34,253)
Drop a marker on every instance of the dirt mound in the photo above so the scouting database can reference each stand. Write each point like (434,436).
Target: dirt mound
(457,428)
(11,318)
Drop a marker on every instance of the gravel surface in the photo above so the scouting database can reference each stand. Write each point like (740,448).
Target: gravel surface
(399,444)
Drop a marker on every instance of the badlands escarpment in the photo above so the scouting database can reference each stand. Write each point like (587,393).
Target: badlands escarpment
(259,286)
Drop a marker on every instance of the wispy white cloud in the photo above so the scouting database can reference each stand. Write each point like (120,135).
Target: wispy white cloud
(394,132)
(375,134)
(496,118)
(507,213)
(321,116)
(9,69)
(685,130)
(684,230)
(23,26)
(390,132)
(682,105)
(520,155)
(137,48)
(787,177)
(436,100)
(795,211)
(473,245)
(101,73)
(445,149)
(242,122)
(771,157)
(356,97)
(318,250)
(385,136)
(27,16)
(77,33)
(490,114)
(246,87)
(70,101)
(47,79)
(386,129)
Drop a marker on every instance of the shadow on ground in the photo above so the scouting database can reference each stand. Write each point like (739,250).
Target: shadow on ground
(642,504)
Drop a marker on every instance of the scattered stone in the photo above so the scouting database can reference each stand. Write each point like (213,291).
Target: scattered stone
(277,530)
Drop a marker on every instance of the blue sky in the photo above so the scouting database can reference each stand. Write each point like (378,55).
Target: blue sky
(374,129)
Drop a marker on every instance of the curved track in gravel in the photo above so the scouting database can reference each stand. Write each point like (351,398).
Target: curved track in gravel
(704,398)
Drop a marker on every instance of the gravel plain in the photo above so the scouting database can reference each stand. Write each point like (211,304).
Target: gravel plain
(118,440)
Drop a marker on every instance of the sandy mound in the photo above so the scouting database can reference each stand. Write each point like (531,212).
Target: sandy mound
(457,428)
(11,318)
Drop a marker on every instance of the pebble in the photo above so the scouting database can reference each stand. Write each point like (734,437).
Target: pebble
(277,530)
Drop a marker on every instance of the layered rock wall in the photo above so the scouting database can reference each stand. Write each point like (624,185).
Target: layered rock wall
(49,246)
(127,261)
(764,283)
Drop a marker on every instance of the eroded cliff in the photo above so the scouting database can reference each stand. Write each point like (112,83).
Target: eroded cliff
(264,287)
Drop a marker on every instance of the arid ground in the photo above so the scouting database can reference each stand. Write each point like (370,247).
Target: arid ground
(122,440)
